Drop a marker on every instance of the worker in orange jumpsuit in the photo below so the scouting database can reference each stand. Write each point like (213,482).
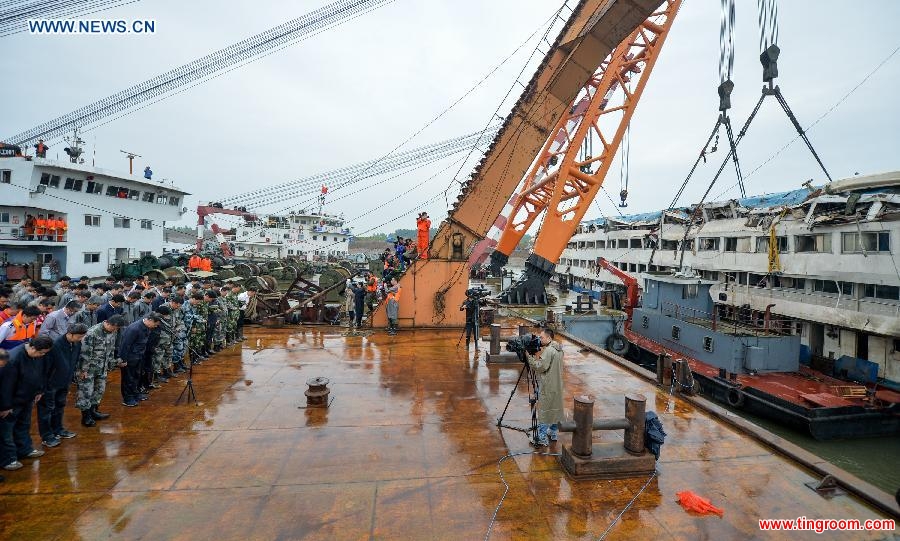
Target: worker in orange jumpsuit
(40,228)
(194,262)
(51,227)
(423,224)
(61,228)
(371,292)
(206,264)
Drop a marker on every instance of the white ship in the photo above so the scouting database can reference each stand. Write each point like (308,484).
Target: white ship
(823,260)
(308,235)
(69,217)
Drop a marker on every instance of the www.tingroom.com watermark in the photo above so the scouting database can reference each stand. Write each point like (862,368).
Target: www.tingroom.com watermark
(91,26)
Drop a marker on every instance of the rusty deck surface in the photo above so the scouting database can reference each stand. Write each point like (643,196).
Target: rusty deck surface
(408,450)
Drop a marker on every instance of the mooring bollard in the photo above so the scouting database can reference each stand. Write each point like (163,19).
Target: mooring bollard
(494,348)
(583,415)
(667,370)
(635,406)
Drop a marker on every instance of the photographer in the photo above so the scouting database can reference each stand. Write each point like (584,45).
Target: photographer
(547,364)
(470,305)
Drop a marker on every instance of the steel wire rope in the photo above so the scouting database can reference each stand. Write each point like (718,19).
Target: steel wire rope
(477,84)
(821,117)
(329,16)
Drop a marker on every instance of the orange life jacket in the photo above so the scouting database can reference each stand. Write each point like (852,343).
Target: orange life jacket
(206,264)
(194,262)
(21,333)
(372,287)
(394,296)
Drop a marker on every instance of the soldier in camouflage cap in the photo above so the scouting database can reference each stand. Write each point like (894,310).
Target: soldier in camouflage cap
(98,357)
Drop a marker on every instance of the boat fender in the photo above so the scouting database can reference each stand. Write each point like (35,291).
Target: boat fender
(735,397)
(618,344)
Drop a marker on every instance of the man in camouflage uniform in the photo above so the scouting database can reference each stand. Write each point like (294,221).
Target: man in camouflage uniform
(98,357)
(162,354)
(179,333)
(215,318)
(197,332)
(234,313)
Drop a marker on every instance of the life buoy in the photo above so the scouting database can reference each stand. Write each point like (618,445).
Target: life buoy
(734,397)
(618,344)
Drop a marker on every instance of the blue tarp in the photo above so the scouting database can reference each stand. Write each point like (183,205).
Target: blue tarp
(855,369)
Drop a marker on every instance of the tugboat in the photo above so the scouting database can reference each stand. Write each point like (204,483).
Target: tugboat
(746,363)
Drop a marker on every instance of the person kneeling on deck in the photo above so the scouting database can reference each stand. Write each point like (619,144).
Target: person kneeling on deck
(392,308)
(548,366)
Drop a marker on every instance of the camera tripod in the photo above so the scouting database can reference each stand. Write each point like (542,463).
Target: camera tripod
(533,392)
(188,392)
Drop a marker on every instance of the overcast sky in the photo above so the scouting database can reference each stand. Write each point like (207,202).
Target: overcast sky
(355,92)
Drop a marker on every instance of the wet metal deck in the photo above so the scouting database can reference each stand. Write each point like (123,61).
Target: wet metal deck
(408,450)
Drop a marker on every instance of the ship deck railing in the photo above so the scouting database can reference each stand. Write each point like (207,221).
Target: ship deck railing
(750,324)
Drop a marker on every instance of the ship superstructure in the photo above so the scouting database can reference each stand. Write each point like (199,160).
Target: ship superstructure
(823,259)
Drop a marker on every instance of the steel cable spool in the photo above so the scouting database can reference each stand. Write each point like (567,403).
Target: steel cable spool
(290,272)
(267,283)
(177,273)
(243,270)
(156,275)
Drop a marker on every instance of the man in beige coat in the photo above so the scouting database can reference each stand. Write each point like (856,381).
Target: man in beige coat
(547,364)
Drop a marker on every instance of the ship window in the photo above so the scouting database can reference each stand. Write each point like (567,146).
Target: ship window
(262,234)
(73,184)
(708,343)
(5,176)
(146,224)
(174,201)
(737,244)
(758,280)
(112,191)
(134,195)
(4,217)
(882,292)
(287,235)
(601,244)
(645,322)
(162,199)
(676,332)
(813,243)
(315,237)
(92,220)
(94,187)
(124,223)
(830,286)
(690,291)
(92,257)
(669,244)
(634,243)
(709,244)
(50,180)
(762,244)
(148,197)
(868,242)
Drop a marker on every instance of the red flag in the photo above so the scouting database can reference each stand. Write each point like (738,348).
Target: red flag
(324,189)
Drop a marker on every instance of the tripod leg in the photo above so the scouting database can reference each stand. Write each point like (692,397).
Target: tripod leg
(502,415)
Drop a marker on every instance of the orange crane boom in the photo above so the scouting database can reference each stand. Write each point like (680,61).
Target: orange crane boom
(432,288)
(561,183)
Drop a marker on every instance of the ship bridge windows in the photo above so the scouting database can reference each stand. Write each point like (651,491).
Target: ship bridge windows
(74,184)
(174,201)
(690,291)
(50,180)
(148,197)
(669,245)
(162,199)
(762,244)
(146,224)
(820,243)
(874,291)
(94,187)
(833,287)
(134,195)
(866,242)
(601,244)
(92,220)
(737,244)
(635,243)
(5,176)
(124,223)
(709,244)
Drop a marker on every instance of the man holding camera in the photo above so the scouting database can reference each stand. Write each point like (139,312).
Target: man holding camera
(547,364)
(470,305)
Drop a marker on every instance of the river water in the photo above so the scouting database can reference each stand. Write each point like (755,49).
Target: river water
(875,460)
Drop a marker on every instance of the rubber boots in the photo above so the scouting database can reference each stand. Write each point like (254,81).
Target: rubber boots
(87,419)
(95,413)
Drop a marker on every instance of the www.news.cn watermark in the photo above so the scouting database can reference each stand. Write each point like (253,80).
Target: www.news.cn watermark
(822,525)
(91,26)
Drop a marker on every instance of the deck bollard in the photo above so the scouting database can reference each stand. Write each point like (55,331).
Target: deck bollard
(635,406)
(667,370)
(494,348)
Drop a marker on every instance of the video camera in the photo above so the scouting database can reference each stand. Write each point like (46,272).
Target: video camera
(477,292)
(530,343)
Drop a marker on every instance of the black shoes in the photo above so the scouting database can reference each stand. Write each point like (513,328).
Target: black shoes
(87,419)
(97,415)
